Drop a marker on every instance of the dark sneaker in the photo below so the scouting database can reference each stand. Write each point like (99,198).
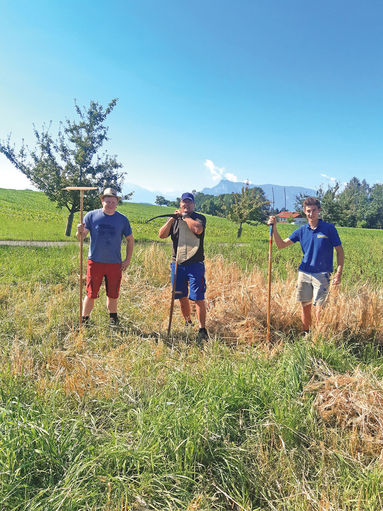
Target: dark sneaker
(113,322)
(202,334)
(85,321)
(189,323)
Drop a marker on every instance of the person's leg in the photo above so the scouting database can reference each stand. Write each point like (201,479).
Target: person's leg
(185,308)
(111,304)
(197,285)
(304,296)
(113,276)
(87,306)
(94,276)
(306,316)
(181,290)
(201,312)
(321,285)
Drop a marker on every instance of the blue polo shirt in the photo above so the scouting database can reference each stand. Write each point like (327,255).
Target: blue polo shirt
(317,246)
(106,232)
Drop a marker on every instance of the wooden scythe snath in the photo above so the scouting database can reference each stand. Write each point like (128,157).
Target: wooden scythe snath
(81,189)
(269,285)
(188,244)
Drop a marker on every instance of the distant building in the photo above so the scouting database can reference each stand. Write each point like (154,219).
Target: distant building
(290,217)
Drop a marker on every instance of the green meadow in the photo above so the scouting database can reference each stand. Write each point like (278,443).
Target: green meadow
(130,419)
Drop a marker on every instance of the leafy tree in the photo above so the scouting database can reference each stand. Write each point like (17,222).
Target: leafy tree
(249,206)
(72,158)
(354,202)
(330,205)
(161,201)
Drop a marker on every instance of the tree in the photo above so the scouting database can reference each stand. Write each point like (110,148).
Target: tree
(70,159)
(249,206)
(330,205)
(161,201)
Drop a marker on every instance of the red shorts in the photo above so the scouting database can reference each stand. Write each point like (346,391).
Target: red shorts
(95,272)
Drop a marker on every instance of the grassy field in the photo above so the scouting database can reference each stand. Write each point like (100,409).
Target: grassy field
(129,419)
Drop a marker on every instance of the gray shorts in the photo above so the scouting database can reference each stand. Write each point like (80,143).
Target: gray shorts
(313,287)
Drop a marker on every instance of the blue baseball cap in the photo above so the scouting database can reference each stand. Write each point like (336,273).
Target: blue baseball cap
(187,195)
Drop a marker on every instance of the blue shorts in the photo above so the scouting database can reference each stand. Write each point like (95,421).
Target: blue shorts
(190,276)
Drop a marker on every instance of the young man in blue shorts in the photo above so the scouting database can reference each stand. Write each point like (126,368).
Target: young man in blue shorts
(187,232)
(318,240)
(107,228)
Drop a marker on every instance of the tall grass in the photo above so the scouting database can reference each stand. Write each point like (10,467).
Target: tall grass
(132,420)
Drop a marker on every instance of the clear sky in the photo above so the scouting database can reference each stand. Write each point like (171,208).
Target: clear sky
(287,92)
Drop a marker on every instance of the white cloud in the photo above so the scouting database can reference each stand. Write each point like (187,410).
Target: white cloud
(332,179)
(219,173)
(231,177)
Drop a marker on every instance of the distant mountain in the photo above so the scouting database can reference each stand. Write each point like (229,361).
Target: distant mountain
(142,195)
(291,192)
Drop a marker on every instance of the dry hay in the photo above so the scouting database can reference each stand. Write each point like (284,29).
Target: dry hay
(352,402)
(237,300)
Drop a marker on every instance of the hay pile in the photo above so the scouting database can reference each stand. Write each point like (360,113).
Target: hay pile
(354,403)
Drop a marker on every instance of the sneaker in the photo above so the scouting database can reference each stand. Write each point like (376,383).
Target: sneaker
(202,334)
(113,322)
(85,321)
(188,322)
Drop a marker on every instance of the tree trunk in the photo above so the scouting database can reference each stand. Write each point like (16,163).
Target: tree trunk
(239,232)
(69,224)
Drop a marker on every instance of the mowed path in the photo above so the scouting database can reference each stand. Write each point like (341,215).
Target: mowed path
(37,243)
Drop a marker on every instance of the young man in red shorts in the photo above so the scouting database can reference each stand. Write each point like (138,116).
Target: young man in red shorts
(106,227)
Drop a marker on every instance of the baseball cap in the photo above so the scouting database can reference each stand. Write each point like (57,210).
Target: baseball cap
(187,195)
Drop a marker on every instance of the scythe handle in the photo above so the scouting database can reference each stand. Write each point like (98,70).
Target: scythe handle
(269,284)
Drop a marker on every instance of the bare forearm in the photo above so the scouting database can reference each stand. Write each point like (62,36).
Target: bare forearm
(129,249)
(340,260)
(194,225)
(165,229)
(278,240)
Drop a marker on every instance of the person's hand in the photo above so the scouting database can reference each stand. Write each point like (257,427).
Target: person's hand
(178,213)
(124,265)
(271,220)
(336,279)
(80,228)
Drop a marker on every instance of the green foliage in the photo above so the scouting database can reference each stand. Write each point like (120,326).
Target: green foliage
(70,159)
(249,206)
(357,205)
(161,201)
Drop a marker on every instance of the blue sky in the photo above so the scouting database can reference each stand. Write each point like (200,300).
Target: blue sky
(283,92)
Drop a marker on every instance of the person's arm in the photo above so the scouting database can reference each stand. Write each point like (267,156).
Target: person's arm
(165,229)
(129,251)
(195,226)
(277,238)
(340,262)
(82,232)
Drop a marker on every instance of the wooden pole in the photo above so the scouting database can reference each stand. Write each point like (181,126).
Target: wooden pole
(81,189)
(269,284)
(173,296)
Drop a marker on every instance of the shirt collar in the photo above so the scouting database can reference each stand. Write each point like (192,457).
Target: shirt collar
(318,224)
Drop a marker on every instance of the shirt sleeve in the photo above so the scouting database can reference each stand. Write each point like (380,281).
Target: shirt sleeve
(295,236)
(127,229)
(334,236)
(88,221)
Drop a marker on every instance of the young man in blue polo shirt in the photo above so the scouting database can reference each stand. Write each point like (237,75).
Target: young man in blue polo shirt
(318,240)
(187,232)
